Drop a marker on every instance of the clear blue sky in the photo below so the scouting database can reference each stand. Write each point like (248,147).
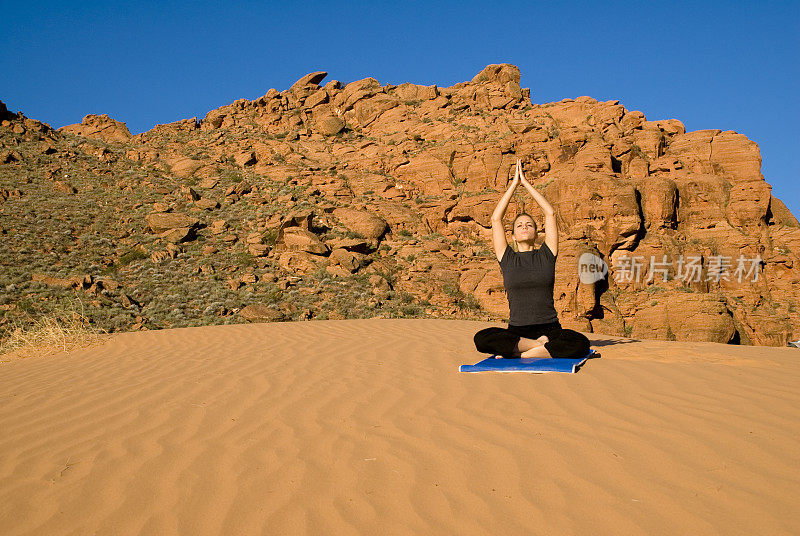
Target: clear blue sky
(729,65)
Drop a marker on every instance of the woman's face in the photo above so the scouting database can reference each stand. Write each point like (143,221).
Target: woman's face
(525,230)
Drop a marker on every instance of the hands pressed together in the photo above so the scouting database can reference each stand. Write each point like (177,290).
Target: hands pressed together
(519,176)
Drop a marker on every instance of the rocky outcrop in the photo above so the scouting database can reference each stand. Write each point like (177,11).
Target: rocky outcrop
(261,313)
(361,222)
(399,181)
(101,127)
(5,115)
(173,227)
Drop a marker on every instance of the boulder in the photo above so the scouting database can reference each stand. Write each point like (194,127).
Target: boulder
(347,259)
(368,110)
(300,262)
(245,158)
(478,208)
(411,92)
(5,115)
(164,221)
(329,125)
(500,73)
(315,99)
(101,127)
(261,313)
(310,79)
(684,317)
(299,239)
(355,91)
(361,222)
(428,174)
(182,166)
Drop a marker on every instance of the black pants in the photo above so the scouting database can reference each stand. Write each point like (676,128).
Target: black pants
(566,343)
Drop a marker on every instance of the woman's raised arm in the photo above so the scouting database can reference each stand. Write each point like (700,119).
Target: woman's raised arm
(550,220)
(498,232)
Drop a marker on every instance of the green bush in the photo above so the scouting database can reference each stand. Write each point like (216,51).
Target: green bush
(130,256)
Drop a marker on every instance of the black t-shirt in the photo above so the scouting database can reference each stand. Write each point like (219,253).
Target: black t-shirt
(529,277)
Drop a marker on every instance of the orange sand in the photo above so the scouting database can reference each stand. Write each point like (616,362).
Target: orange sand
(367,427)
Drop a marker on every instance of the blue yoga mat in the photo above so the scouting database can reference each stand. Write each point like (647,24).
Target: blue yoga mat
(527,364)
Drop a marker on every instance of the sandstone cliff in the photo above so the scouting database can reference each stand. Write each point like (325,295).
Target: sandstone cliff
(331,200)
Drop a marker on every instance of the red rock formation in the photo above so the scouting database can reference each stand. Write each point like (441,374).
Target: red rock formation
(429,159)
(101,127)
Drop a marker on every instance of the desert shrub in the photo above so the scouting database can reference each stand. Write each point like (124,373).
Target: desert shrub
(59,330)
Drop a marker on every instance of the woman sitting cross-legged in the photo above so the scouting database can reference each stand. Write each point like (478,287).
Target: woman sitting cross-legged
(528,276)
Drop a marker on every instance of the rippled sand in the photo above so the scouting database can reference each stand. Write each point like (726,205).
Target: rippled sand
(367,427)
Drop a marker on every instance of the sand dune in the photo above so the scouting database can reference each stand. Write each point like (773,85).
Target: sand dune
(367,427)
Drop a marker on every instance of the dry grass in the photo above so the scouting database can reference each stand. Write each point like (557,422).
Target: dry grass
(56,332)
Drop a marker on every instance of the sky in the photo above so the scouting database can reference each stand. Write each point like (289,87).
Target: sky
(727,64)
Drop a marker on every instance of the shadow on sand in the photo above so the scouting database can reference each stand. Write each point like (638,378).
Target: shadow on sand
(609,342)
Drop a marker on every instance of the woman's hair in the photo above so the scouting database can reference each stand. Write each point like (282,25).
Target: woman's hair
(535,226)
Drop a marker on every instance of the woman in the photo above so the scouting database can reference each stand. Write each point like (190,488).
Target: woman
(528,276)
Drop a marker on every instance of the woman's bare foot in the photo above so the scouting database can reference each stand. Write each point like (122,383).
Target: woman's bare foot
(525,346)
(537,351)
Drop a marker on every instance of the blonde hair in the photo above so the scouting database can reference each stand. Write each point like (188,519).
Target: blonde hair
(518,216)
